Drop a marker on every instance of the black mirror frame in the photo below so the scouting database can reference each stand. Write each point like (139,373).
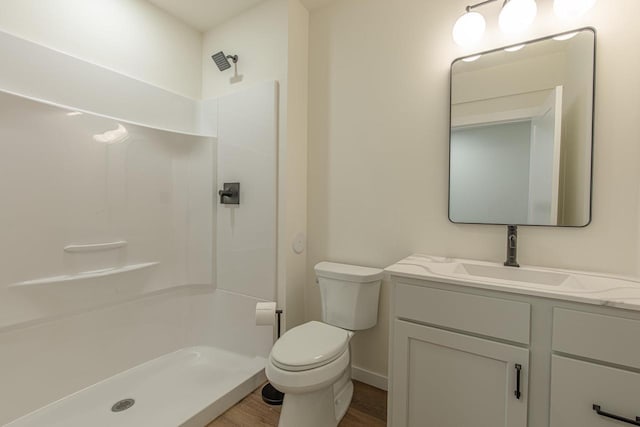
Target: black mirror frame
(593,104)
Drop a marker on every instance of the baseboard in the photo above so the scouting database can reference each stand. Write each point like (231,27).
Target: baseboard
(372,378)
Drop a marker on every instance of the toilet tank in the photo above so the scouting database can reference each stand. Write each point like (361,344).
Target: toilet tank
(349,294)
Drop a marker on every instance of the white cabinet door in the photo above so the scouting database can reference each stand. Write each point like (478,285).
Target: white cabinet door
(446,379)
(578,388)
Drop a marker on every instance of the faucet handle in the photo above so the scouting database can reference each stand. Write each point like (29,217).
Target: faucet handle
(512,246)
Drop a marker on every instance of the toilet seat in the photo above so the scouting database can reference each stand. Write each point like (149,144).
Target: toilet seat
(309,346)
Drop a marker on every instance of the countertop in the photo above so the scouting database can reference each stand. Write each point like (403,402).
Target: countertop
(578,286)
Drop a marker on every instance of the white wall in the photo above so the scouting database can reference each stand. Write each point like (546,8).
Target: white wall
(259,38)
(132,37)
(378,145)
(294,174)
(270,40)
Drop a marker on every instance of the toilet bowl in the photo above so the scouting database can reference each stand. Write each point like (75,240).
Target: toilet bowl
(311,363)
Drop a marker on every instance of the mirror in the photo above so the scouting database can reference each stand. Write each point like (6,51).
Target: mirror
(522,133)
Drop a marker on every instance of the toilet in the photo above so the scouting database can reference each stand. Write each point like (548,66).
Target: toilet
(311,363)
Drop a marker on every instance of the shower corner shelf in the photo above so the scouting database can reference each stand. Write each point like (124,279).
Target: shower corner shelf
(85,275)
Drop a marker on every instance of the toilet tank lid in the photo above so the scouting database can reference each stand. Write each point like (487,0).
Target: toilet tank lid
(350,273)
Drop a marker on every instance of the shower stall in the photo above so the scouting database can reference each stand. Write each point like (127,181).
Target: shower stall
(127,290)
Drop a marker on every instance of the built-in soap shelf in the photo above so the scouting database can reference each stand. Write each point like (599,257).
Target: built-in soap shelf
(95,247)
(54,280)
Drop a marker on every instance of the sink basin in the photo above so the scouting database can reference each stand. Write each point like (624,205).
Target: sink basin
(536,277)
(482,271)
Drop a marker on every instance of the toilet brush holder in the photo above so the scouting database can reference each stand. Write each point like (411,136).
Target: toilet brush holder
(270,394)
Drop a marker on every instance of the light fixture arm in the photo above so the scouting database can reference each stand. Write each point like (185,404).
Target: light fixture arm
(474,6)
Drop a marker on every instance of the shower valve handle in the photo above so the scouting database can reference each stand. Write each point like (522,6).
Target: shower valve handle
(230,193)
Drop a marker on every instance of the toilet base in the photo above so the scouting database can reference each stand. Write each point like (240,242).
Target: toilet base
(321,408)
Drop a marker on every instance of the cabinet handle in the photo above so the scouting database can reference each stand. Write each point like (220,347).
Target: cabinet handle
(518,371)
(616,417)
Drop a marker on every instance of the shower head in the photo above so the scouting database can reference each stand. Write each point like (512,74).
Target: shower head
(222,61)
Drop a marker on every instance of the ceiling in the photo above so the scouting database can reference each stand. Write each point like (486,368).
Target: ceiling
(206,14)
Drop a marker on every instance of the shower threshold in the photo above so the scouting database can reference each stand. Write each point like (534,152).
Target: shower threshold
(186,388)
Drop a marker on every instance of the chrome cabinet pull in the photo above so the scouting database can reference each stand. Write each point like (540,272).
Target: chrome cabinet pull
(602,413)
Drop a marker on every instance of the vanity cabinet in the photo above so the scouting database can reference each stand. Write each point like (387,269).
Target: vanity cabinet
(447,379)
(458,359)
(461,349)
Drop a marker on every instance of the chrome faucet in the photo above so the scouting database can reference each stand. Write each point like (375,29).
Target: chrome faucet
(512,246)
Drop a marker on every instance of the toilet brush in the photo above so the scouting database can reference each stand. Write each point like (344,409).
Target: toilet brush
(270,394)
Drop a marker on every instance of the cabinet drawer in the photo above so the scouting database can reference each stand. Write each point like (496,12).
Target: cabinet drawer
(576,386)
(494,317)
(594,336)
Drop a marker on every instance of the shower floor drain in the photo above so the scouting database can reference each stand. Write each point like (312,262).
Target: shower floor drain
(122,405)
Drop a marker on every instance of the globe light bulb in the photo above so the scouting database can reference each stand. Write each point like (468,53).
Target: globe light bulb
(567,9)
(517,15)
(468,29)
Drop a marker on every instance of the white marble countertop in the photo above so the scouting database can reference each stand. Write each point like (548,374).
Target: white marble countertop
(579,286)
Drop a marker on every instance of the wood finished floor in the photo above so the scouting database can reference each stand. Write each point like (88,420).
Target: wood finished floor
(368,409)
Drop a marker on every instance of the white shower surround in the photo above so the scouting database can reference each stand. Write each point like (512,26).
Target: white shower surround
(247,153)
(62,337)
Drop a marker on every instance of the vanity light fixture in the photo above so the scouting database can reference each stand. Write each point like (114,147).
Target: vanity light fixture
(515,17)
(469,28)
